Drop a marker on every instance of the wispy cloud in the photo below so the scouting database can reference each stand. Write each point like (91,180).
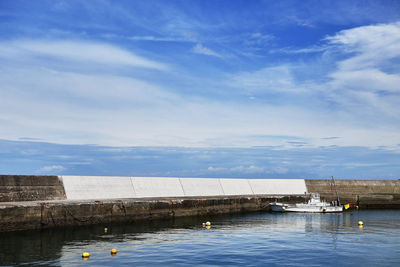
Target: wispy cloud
(367,80)
(29,139)
(258,39)
(368,75)
(266,80)
(304,50)
(158,39)
(239,170)
(52,169)
(200,49)
(372,45)
(301,22)
(128,92)
(263,162)
(363,80)
(121,111)
(77,51)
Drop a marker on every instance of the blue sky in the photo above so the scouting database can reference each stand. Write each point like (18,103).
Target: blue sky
(292,89)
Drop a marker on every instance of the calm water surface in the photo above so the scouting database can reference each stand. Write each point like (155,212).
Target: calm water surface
(238,240)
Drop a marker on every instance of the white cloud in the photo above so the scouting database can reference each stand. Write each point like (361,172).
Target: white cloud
(280,170)
(76,51)
(266,80)
(200,49)
(247,169)
(257,39)
(373,45)
(52,169)
(238,169)
(367,78)
(363,85)
(301,22)
(307,50)
(217,169)
(63,106)
(75,108)
(159,39)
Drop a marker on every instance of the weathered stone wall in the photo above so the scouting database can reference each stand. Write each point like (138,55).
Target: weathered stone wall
(30,188)
(47,214)
(354,186)
(364,193)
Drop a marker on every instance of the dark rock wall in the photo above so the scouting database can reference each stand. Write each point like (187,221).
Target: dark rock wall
(364,193)
(48,214)
(30,188)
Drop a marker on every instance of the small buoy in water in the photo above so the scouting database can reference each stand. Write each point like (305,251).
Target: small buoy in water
(360,223)
(208,224)
(357,207)
(204,224)
(113,252)
(105,229)
(208,227)
(85,255)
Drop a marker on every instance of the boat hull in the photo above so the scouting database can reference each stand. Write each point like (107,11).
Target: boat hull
(280,207)
(328,209)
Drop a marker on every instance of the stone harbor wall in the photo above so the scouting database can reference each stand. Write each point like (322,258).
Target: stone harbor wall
(30,188)
(364,193)
(35,202)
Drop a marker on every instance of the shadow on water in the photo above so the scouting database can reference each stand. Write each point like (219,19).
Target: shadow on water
(46,245)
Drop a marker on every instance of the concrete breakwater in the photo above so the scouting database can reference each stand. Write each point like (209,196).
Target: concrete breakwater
(34,202)
(370,194)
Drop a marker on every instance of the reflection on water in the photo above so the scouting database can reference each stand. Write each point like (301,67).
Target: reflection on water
(251,240)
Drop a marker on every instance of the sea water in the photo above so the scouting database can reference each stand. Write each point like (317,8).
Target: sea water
(258,239)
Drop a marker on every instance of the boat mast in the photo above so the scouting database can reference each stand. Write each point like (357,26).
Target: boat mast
(334,186)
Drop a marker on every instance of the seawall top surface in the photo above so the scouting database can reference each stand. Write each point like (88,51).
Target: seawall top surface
(97,187)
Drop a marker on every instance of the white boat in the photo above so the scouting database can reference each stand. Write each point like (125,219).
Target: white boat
(313,205)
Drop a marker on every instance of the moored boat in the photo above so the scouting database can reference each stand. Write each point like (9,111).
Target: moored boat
(314,204)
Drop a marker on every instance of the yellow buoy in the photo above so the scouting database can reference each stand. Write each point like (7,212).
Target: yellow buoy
(208,227)
(208,224)
(113,252)
(105,229)
(360,223)
(85,255)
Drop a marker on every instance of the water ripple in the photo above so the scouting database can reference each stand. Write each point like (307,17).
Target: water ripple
(242,240)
